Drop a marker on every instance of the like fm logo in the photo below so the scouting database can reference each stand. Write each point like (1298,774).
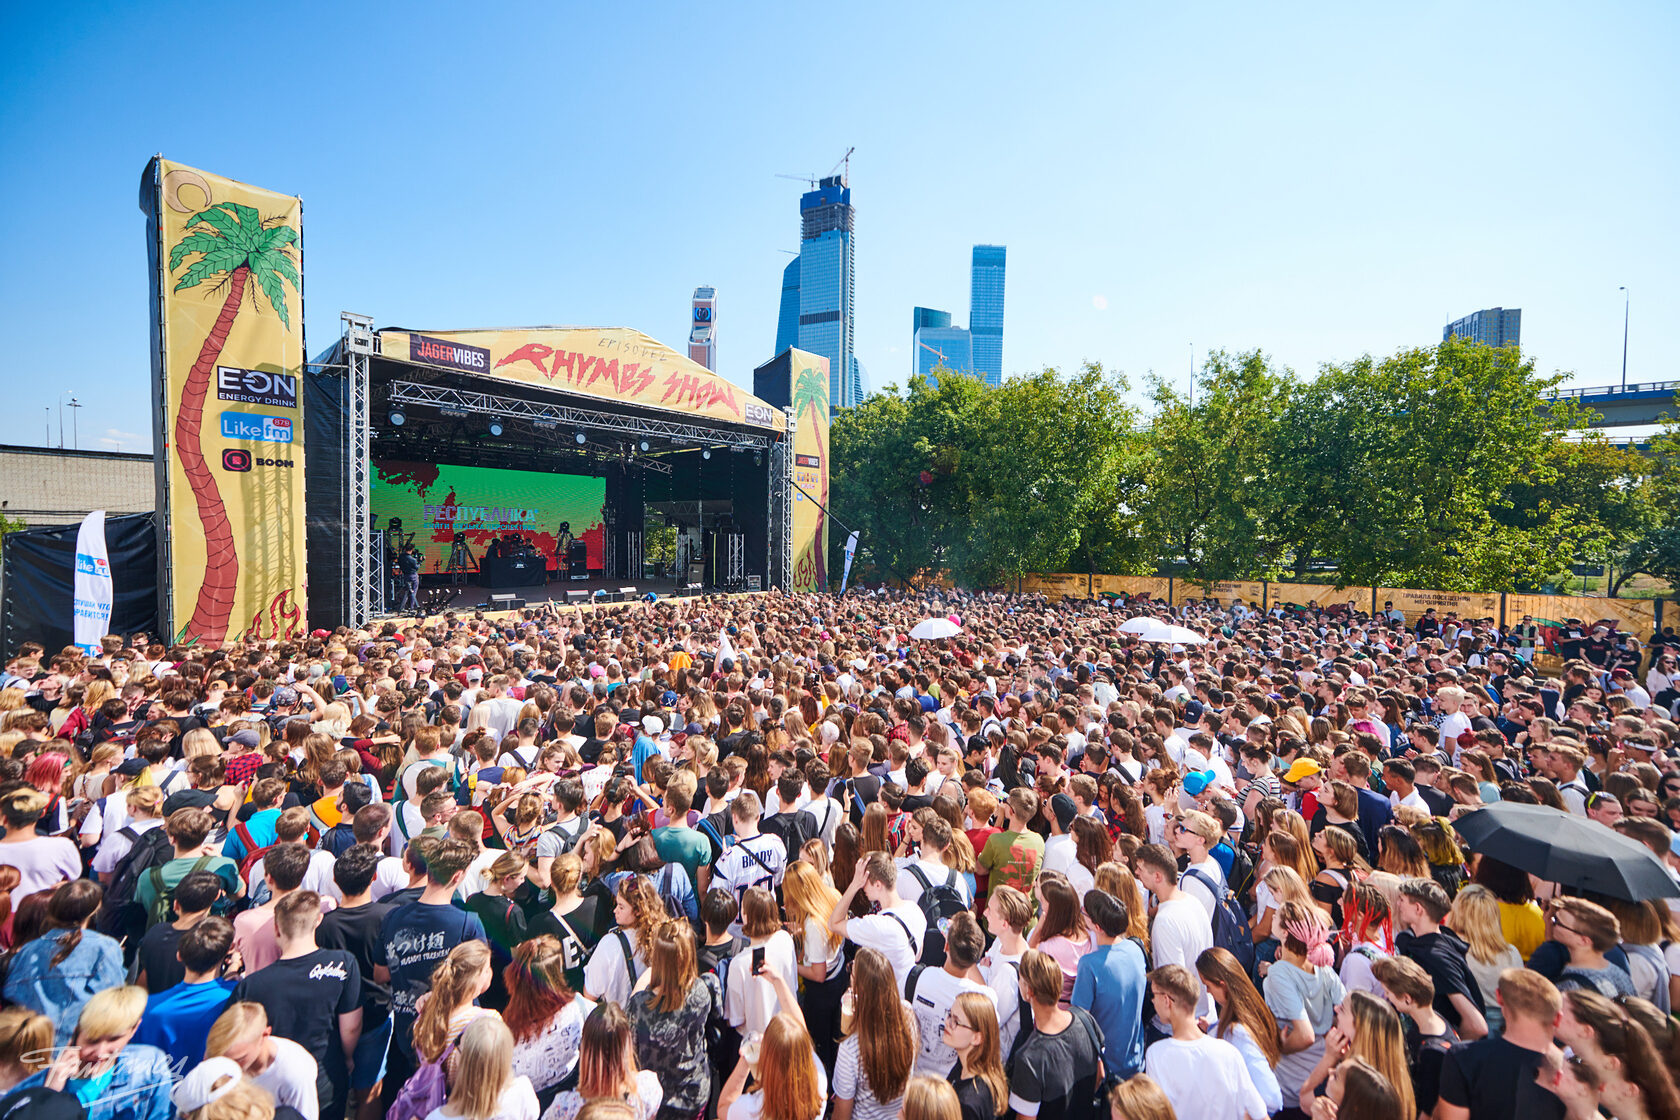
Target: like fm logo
(256,427)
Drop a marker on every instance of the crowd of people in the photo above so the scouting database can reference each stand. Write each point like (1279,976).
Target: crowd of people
(767,858)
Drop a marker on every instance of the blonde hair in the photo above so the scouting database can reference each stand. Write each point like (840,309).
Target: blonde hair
(930,1098)
(484,1068)
(1117,879)
(115,1011)
(199,741)
(26,1039)
(1286,886)
(451,985)
(1140,1098)
(807,894)
(245,1101)
(239,1022)
(1475,917)
(987,1056)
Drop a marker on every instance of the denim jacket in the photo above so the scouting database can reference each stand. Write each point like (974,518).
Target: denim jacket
(61,991)
(138,1089)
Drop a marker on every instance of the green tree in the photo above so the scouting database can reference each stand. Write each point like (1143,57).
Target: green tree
(1594,497)
(1656,549)
(1412,457)
(1209,495)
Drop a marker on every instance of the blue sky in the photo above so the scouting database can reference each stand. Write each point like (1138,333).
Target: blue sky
(1316,180)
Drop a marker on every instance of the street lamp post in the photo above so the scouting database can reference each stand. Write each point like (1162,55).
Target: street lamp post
(1624,292)
(75,428)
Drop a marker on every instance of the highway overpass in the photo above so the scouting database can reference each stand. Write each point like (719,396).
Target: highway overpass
(1619,407)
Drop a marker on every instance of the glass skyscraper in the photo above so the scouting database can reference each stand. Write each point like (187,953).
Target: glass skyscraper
(1494,326)
(818,288)
(985,311)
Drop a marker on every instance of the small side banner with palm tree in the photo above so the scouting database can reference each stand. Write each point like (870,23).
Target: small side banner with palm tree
(810,402)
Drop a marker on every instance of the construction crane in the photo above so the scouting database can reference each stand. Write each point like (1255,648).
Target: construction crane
(843,165)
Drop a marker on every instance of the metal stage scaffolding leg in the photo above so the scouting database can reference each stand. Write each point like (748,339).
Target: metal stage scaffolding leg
(633,556)
(363,574)
(781,506)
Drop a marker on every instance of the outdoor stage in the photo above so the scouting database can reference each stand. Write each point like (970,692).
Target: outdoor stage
(506,458)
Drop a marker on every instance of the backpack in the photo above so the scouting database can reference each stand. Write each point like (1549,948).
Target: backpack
(161,898)
(1230,922)
(427,1088)
(939,905)
(252,852)
(122,916)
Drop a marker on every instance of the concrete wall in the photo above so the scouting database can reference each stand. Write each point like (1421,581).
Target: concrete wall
(55,486)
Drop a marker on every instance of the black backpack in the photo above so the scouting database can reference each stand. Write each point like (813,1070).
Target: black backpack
(939,905)
(122,916)
(1230,922)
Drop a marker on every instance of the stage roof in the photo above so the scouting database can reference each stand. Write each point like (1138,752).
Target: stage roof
(607,363)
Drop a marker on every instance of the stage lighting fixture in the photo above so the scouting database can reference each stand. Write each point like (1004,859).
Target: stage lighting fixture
(545,425)
(495,427)
(644,446)
(706,454)
(582,438)
(758,459)
(453,413)
(397,418)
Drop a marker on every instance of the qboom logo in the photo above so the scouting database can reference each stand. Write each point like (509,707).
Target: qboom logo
(239,460)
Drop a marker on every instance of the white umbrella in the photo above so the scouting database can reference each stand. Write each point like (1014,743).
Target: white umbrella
(932,628)
(1178,635)
(1139,624)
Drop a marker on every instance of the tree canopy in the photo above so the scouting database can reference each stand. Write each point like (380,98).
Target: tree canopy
(1441,466)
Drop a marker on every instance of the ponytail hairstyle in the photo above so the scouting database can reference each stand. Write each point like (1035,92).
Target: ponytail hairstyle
(1620,1036)
(536,984)
(71,908)
(1304,934)
(1663,1030)
(453,986)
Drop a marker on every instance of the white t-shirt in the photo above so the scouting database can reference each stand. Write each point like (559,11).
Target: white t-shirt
(388,876)
(1058,854)
(829,813)
(1182,932)
(607,975)
(883,931)
(937,875)
(478,873)
(750,1001)
(1205,1080)
(1198,890)
(1003,976)
(1411,801)
(935,993)
(115,846)
(518,1102)
(290,1078)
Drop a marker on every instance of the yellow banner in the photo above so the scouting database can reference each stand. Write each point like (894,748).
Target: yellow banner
(1057,586)
(1637,616)
(1466,604)
(227,278)
(1155,587)
(1248,590)
(1324,594)
(611,363)
(810,469)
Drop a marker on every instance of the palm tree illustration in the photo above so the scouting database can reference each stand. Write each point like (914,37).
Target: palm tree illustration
(232,247)
(810,394)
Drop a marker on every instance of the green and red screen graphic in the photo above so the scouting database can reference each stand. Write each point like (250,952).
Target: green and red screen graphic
(436,501)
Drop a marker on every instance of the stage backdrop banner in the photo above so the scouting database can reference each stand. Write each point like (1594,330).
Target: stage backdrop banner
(228,350)
(611,363)
(437,501)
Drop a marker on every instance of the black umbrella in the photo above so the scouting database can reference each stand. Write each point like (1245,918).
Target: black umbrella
(1566,849)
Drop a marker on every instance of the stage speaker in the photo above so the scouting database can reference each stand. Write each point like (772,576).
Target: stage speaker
(577,560)
(577,596)
(507,602)
(694,588)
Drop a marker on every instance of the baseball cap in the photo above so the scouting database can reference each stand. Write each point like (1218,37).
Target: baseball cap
(653,725)
(1197,782)
(1062,805)
(245,738)
(1300,768)
(284,696)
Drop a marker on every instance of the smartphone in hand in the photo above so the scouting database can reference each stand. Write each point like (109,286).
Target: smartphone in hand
(758,961)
